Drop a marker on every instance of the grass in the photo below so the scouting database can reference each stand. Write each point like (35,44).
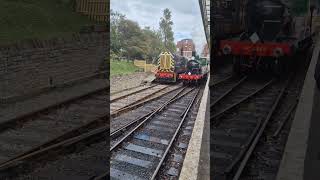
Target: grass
(122,67)
(41,19)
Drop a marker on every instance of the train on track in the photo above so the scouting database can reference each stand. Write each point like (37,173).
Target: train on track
(174,68)
(170,66)
(196,72)
(257,34)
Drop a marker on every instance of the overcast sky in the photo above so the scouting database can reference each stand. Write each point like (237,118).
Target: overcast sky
(186,16)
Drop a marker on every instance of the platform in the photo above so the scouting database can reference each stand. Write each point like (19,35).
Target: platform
(301,158)
(196,165)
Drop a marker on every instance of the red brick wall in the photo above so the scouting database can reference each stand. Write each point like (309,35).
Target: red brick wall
(186,47)
(205,51)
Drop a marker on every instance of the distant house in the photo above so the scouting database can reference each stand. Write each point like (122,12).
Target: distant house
(186,48)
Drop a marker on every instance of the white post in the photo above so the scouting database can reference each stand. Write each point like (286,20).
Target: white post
(145,66)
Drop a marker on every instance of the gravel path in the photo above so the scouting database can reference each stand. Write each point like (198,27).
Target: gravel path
(120,82)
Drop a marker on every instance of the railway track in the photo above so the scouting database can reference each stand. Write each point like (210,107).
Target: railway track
(250,120)
(81,157)
(266,158)
(143,145)
(124,90)
(129,100)
(121,123)
(221,74)
(123,94)
(24,135)
(223,88)
(240,110)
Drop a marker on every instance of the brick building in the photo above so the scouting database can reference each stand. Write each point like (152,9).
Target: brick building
(205,52)
(186,48)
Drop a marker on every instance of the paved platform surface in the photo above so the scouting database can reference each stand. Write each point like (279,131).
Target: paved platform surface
(204,168)
(47,99)
(312,160)
(297,161)
(196,162)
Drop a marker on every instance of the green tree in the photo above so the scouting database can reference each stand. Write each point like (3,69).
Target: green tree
(166,31)
(152,44)
(130,41)
(115,39)
(130,36)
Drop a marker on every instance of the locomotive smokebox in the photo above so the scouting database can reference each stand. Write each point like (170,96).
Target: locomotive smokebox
(265,18)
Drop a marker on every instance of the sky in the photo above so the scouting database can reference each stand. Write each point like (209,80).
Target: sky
(186,17)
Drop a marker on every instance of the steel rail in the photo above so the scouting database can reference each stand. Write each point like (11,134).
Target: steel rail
(176,98)
(228,91)
(61,137)
(10,122)
(186,109)
(132,93)
(104,175)
(215,116)
(96,132)
(282,123)
(139,103)
(113,133)
(222,80)
(146,96)
(148,118)
(123,90)
(175,135)
(258,135)
(244,147)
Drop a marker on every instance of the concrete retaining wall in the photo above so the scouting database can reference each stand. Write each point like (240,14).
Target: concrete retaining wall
(32,65)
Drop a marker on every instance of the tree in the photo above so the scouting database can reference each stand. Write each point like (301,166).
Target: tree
(115,39)
(153,43)
(131,38)
(130,41)
(166,31)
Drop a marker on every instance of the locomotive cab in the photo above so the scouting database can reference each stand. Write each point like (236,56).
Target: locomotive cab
(193,67)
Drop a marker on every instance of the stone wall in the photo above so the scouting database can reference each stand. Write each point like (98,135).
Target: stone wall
(33,65)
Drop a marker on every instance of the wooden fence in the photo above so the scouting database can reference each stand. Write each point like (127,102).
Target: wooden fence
(146,67)
(97,10)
